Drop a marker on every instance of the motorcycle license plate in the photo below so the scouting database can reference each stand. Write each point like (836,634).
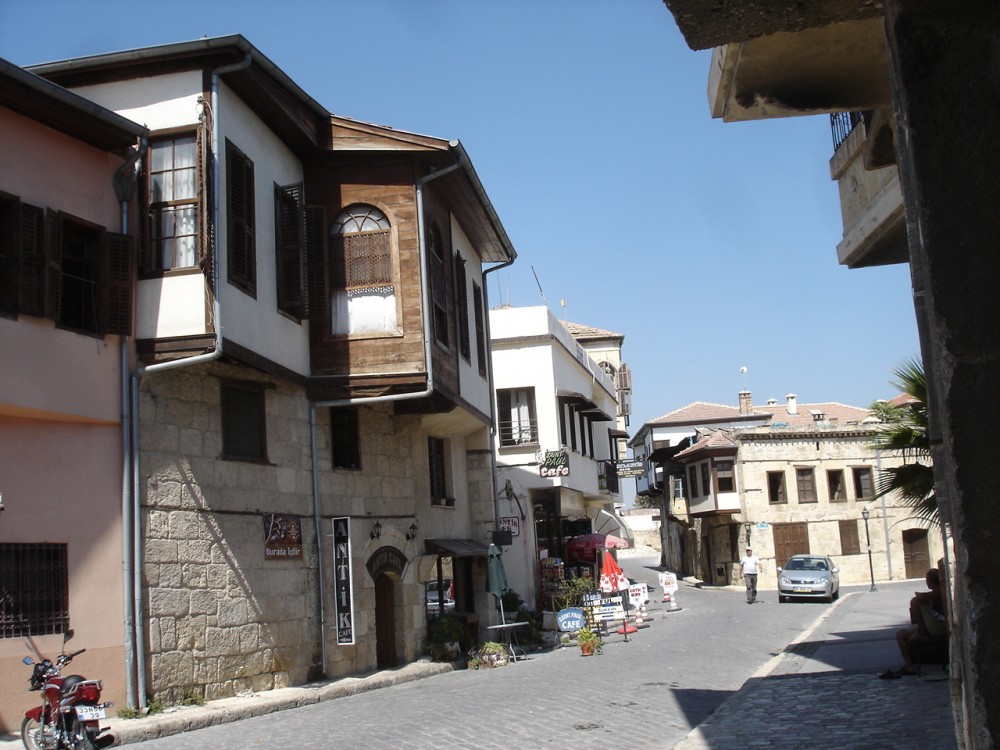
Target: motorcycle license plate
(90,713)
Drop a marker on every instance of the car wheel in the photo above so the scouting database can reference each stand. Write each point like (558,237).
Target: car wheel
(836,594)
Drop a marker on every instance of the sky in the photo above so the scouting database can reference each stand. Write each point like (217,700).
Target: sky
(710,246)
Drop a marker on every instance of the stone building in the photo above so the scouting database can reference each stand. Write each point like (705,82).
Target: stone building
(309,400)
(787,478)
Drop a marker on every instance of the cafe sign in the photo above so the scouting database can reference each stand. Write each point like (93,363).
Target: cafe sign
(554,464)
(282,537)
(343,587)
(630,468)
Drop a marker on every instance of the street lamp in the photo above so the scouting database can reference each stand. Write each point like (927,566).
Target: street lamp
(871,569)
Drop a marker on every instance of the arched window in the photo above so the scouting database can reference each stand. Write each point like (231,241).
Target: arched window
(362,282)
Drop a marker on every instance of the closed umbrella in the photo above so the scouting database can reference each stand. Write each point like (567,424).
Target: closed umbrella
(496,577)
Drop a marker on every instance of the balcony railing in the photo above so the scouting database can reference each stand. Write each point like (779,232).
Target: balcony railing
(521,432)
(842,123)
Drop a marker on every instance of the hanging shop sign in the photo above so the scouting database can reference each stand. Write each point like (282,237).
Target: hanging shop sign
(630,468)
(511,524)
(386,560)
(343,586)
(282,537)
(555,464)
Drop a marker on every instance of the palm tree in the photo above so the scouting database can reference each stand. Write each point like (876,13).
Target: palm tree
(907,435)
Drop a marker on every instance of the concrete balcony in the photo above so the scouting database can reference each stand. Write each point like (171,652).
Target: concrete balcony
(871,202)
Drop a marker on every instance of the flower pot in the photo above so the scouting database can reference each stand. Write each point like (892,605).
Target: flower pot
(588,649)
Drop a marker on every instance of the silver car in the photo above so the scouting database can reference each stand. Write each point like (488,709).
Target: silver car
(809,576)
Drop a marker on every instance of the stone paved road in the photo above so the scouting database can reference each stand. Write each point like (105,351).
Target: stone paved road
(647,692)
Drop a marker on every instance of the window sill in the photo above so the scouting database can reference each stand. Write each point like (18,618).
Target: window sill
(443,502)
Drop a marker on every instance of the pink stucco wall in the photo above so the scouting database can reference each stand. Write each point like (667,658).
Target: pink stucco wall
(60,427)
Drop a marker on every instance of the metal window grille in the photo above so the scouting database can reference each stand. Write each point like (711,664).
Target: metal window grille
(435,456)
(34,589)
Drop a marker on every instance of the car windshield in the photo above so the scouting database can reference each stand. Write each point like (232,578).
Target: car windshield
(807,563)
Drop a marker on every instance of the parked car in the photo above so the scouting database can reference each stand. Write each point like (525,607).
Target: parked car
(809,577)
(433,599)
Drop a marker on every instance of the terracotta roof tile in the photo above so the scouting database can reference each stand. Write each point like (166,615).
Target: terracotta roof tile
(580,331)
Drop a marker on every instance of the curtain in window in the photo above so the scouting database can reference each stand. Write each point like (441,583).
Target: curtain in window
(364,310)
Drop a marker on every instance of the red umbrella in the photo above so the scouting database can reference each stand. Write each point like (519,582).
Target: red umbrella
(584,548)
(612,577)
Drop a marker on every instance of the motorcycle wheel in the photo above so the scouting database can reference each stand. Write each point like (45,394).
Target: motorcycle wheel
(31,734)
(79,737)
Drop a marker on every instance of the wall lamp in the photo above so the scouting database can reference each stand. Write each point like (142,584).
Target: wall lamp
(412,533)
(376,531)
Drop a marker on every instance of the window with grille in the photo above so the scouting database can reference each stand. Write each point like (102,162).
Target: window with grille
(516,418)
(850,543)
(345,440)
(34,590)
(436,464)
(241,220)
(362,273)
(244,436)
(706,481)
(805,480)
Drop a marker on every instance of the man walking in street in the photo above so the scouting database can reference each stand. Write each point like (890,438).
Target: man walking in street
(749,568)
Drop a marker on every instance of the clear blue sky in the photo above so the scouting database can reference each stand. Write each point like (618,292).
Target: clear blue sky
(710,246)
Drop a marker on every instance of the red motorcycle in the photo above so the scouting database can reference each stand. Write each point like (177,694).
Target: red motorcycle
(71,710)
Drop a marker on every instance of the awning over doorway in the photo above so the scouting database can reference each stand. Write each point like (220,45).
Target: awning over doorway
(609,523)
(455,547)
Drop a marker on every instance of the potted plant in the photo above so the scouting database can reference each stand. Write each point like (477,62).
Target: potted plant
(590,642)
(490,654)
(444,637)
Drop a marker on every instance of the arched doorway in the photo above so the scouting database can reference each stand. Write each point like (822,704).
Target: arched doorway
(386,565)
(385,622)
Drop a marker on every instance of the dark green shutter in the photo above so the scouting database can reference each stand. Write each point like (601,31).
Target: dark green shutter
(32,261)
(116,283)
(53,265)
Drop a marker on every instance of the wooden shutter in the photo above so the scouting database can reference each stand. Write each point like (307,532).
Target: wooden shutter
(240,205)
(53,265)
(315,247)
(477,304)
(31,244)
(116,283)
(144,234)
(289,249)
(462,307)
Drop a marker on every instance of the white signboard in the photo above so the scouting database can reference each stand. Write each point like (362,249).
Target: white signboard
(668,582)
(638,594)
(511,524)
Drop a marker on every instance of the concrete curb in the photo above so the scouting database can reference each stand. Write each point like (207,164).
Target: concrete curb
(223,711)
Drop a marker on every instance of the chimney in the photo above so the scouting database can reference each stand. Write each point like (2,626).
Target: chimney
(746,403)
(792,408)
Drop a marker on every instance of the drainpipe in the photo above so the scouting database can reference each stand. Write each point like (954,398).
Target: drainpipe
(429,360)
(124,186)
(489,385)
(216,353)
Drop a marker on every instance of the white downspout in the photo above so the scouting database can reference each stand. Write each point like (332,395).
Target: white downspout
(429,360)
(124,185)
(174,364)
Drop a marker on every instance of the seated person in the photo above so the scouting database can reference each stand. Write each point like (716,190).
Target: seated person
(927,621)
(820,565)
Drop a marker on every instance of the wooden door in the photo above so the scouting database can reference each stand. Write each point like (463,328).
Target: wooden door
(385,622)
(789,539)
(916,554)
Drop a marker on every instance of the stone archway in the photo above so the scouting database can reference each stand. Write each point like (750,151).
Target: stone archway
(386,566)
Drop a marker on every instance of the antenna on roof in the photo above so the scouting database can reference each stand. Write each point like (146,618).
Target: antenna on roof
(539,286)
(743,372)
(562,303)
